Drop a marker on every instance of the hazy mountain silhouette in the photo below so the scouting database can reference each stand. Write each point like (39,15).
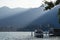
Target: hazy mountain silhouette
(49,17)
(6,11)
(30,19)
(21,20)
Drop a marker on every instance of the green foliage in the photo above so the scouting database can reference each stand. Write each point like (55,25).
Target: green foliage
(51,4)
(59,11)
(57,2)
(59,14)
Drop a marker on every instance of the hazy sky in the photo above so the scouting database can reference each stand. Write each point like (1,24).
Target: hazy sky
(21,3)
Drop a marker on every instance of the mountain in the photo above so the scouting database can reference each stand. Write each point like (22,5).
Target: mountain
(6,11)
(20,20)
(49,17)
(30,19)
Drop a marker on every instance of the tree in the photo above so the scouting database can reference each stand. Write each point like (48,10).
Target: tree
(51,4)
(59,14)
(57,2)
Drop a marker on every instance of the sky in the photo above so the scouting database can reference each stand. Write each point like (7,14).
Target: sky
(22,3)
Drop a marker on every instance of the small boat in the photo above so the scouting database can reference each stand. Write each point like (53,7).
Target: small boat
(38,33)
(51,32)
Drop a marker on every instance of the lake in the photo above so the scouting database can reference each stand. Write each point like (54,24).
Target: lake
(22,36)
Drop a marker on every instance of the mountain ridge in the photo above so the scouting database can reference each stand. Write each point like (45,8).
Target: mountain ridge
(6,11)
(25,20)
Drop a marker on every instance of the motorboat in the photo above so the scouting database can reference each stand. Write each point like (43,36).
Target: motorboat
(38,33)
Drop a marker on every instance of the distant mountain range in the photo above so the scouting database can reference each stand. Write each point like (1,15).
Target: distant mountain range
(30,19)
(6,11)
(49,17)
(21,20)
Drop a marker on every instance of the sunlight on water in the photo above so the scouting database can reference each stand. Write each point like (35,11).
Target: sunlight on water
(22,36)
(13,35)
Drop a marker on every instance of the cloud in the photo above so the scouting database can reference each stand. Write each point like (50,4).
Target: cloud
(21,3)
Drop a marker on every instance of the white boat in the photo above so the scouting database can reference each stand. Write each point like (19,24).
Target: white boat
(38,33)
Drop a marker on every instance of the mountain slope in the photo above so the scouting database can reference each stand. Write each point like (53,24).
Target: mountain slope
(49,17)
(5,11)
(31,19)
(21,20)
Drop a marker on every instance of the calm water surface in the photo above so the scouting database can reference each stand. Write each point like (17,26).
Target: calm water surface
(22,36)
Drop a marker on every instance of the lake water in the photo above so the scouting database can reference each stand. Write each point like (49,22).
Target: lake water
(14,35)
(22,36)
